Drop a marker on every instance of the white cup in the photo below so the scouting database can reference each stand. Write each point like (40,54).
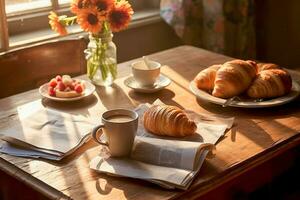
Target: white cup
(120,127)
(146,75)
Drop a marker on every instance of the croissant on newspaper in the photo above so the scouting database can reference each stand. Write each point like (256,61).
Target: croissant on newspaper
(205,79)
(166,120)
(233,78)
(267,66)
(270,83)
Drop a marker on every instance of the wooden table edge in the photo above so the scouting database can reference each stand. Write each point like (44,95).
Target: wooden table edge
(31,181)
(193,192)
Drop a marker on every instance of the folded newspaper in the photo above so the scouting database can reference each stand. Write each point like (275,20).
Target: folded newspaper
(39,132)
(168,162)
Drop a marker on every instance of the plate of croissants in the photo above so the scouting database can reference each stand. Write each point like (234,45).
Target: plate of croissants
(244,83)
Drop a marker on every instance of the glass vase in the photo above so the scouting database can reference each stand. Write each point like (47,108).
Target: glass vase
(101,59)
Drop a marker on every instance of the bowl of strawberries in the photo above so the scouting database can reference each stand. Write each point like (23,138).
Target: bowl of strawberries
(65,88)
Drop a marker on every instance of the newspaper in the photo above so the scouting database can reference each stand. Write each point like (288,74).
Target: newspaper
(168,162)
(39,132)
(168,153)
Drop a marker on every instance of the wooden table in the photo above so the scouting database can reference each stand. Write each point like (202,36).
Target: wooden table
(258,136)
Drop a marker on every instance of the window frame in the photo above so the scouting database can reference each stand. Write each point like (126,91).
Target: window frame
(4,40)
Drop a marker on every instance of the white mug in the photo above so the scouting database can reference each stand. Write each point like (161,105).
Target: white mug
(146,75)
(120,127)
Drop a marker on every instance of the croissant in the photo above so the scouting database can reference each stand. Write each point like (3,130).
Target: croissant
(234,77)
(267,66)
(205,79)
(168,121)
(270,83)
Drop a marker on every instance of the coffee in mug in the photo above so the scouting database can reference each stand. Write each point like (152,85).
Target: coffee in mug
(120,127)
(119,118)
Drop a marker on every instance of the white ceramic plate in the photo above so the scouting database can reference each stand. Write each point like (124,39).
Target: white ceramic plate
(160,84)
(248,103)
(89,89)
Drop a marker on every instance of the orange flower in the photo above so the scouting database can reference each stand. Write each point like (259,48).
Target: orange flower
(103,6)
(120,16)
(90,20)
(56,25)
(77,5)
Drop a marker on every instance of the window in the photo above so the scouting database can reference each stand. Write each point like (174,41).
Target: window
(28,18)
(15,6)
(26,21)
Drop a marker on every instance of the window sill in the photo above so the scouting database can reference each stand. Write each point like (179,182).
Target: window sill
(140,18)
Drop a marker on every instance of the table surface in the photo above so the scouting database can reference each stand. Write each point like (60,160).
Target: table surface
(257,135)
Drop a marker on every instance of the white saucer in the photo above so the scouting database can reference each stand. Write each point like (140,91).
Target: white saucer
(160,84)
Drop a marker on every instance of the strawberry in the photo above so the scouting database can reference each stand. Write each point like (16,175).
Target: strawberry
(78,88)
(58,78)
(53,83)
(61,86)
(72,86)
(51,91)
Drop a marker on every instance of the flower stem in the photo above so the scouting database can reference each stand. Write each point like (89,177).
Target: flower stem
(100,58)
(67,21)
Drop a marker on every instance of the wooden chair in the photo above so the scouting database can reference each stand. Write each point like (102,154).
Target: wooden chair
(28,68)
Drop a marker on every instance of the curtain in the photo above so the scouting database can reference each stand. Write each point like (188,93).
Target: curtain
(223,26)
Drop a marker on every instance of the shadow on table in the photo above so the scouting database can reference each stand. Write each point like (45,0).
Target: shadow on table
(165,95)
(114,97)
(81,105)
(128,186)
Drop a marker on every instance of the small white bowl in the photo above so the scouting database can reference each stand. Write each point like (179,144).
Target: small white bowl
(146,75)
